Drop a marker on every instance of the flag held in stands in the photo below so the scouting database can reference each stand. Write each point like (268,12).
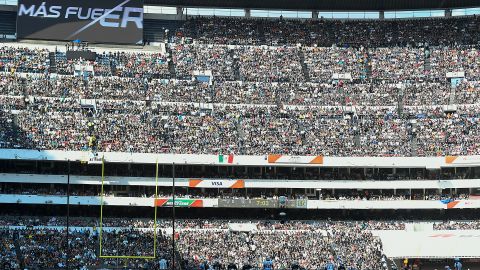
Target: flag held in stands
(225,158)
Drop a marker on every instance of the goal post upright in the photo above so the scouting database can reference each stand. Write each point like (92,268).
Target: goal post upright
(154,223)
(155,210)
(101,205)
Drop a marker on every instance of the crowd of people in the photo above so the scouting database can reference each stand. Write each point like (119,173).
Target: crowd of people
(457,225)
(198,242)
(375,76)
(253,87)
(8,253)
(29,60)
(372,195)
(237,92)
(120,64)
(351,247)
(197,224)
(325,33)
(217,224)
(125,126)
(190,58)
(324,62)
(279,64)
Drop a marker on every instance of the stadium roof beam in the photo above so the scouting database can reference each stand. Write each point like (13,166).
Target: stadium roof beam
(363,5)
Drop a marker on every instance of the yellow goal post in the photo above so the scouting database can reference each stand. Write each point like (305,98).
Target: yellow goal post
(154,223)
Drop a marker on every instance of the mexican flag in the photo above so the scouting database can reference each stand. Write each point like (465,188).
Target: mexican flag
(225,158)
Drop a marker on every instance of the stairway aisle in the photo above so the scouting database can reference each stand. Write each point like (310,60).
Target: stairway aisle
(18,251)
(236,66)
(53,63)
(306,75)
(171,64)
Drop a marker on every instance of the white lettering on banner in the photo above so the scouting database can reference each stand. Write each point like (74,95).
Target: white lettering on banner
(295,159)
(41,11)
(97,13)
(86,16)
(70,11)
(22,10)
(127,18)
(118,17)
(466,204)
(111,16)
(217,183)
(55,11)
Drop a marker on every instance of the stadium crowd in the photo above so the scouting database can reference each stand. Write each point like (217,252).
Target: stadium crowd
(457,225)
(202,224)
(325,33)
(42,243)
(310,250)
(8,254)
(374,93)
(199,243)
(119,64)
(375,73)
(197,224)
(23,59)
(218,59)
(44,246)
(253,130)
(360,88)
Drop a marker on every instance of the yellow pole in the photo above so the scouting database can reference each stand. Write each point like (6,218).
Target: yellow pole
(155,218)
(101,204)
(154,225)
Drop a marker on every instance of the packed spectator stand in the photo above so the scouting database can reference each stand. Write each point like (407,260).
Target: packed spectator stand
(41,241)
(264,93)
(310,244)
(325,33)
(127,126)
(274,86)
(258,115)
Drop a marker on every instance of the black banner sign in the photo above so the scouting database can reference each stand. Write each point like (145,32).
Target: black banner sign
(105,21)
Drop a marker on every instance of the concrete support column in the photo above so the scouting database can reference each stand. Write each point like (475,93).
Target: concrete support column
(381,15)
(448,13)
(248,13)
(180,11)
(315,14)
